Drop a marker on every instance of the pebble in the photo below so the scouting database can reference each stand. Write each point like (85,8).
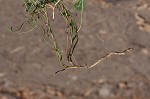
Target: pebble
(105,91)
(145,51)
(122,85)
(2,75)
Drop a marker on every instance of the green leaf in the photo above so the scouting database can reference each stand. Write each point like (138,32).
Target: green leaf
(79,5)
(30,7)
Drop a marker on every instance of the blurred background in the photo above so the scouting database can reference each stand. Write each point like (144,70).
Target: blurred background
(27,61)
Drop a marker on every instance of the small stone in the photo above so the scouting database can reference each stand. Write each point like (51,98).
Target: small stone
(74,78)
(59,94)
(105,91)
(145,51)
(101,81)
(2,75)
(122,85)
(3,97)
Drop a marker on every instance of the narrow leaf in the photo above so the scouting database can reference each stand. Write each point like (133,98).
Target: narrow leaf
(79,5)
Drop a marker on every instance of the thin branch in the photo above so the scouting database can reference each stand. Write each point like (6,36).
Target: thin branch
(109,55)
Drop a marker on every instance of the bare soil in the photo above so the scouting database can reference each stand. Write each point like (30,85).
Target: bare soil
(27,61)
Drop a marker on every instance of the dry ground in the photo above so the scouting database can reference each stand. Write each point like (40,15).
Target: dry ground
(26,61)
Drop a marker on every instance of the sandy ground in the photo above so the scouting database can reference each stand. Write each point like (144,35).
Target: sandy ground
(26,60)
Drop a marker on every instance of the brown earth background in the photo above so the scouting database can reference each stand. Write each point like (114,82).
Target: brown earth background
(27,61)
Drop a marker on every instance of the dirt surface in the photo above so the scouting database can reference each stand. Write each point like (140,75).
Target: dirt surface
(26,60)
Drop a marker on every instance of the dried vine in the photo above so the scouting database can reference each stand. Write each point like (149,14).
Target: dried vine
(38,16)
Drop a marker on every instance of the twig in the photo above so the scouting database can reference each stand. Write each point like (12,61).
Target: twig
(109,55)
